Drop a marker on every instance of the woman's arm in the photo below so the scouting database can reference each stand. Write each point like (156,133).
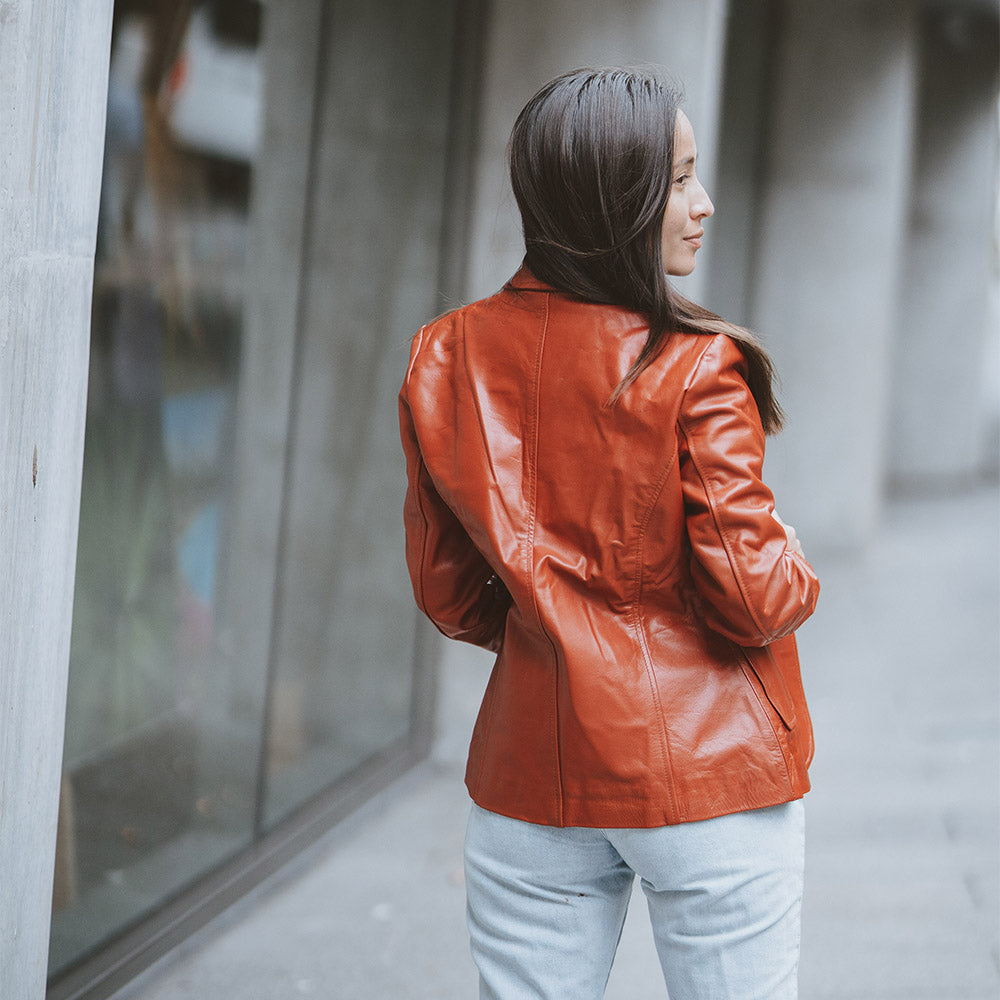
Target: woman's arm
(755,584)
(452,583)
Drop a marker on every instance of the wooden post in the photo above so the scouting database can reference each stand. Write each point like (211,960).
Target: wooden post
(53,94)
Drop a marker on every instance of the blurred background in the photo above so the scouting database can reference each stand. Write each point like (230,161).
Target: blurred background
(289,190)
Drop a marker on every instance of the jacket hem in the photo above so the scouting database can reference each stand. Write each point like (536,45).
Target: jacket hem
(615,814)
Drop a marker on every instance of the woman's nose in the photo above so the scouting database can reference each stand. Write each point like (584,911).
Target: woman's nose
(702,207)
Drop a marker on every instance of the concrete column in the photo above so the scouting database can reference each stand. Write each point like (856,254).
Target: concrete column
(529,43)
(828,242)
(728,257)
(53,90)
(940,417)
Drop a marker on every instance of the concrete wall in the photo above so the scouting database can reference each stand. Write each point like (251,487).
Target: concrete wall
(728,258)
(943,421)
(53,88)
(828,245)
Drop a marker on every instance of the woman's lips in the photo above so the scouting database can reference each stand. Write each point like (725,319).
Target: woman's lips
(695,239)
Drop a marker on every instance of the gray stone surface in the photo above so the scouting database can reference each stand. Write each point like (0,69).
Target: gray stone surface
(901,666)
(53,85)
(825,289)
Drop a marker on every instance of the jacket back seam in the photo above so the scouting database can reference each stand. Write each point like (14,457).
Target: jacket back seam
(530,547)
(638,628)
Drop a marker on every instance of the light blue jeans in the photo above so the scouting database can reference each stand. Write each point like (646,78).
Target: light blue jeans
(546,904)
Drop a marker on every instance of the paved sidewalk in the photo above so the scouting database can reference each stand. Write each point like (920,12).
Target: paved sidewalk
(901,668)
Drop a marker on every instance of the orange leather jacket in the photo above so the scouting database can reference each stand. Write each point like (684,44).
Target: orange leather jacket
(622,560)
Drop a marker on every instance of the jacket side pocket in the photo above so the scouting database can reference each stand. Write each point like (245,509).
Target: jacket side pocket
(761,661)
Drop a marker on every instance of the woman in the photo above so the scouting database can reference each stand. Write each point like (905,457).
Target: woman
(584,454)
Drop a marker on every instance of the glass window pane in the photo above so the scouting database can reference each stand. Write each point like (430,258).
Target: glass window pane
(345,631)
(240,533)
(160,767)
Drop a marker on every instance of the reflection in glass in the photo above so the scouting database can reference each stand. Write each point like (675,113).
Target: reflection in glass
(159,767)
(243,636)
(342,677)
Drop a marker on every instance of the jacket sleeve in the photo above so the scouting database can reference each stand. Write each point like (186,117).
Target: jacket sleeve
(452,583)
(753,588)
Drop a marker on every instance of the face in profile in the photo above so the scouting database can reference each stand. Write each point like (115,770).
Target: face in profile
(688,205)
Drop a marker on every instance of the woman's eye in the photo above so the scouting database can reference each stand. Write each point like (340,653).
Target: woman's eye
(680,180)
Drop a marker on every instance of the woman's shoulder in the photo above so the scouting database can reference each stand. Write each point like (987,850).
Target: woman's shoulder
(478,309)
(690,357)
(446,320)
(722,350)
(464,334)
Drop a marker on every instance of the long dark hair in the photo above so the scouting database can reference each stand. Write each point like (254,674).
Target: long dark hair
(590,157)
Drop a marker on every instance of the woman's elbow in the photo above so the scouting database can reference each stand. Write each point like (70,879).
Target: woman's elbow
(774,617)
